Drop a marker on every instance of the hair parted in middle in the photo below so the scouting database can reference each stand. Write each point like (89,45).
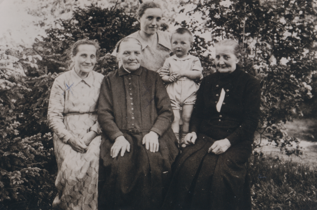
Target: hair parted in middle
(124,40)
(74,47)
(147,5)
(237,49)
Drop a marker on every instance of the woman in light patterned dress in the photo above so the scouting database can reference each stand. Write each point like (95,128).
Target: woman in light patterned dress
(72,117)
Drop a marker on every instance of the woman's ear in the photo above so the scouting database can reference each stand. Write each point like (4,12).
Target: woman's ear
(118,57)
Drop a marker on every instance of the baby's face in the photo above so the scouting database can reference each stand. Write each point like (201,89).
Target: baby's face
(181,44)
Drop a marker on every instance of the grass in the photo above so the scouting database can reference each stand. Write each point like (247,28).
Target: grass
(282,184)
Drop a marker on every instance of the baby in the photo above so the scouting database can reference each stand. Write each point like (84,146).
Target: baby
(179,72)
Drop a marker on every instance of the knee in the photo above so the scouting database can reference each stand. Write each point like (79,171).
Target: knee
(186,117)
(176,118)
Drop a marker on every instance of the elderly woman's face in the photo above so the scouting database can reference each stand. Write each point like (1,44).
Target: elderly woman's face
(130,54)
(226,61)
(85,59)
(150,20)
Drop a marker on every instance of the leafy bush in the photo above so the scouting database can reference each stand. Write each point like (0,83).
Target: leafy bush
(107,26)
(27,172)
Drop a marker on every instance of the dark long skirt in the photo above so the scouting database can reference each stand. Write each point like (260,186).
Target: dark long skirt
(204,180)
(139,179)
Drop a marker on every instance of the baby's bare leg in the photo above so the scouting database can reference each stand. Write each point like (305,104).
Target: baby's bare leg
(175,124)
(187,112)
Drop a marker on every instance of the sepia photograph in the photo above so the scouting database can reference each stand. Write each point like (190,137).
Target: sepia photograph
(158,104)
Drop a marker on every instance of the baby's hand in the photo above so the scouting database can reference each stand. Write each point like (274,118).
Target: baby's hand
(172,78)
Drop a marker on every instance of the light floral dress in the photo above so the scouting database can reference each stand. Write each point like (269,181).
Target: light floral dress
(72,113)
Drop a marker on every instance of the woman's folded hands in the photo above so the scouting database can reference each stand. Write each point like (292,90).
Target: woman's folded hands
(220,146)
(78,146)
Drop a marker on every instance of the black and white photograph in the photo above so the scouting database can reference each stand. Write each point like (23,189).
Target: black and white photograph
(158,105)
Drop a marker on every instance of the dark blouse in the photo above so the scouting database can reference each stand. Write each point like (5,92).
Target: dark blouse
(240,110)
(135,102)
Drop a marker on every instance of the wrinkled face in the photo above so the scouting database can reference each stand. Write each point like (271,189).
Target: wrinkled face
(225,61)
(130,54)
(181,44)
(150,20)
(85,59)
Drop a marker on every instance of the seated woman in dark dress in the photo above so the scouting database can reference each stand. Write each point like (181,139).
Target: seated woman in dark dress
(138,145)
(212,172)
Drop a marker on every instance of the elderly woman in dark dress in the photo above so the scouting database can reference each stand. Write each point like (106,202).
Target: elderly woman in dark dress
(211,173)
(138,145)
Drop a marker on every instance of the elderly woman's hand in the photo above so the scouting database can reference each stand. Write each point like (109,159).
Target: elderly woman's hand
(190,138)
(78,146)
(220,146)
(151,141)
(120,144)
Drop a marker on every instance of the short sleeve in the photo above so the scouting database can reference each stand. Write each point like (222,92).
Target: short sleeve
(197,65)
(165,70)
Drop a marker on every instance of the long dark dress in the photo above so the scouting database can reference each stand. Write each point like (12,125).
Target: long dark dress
(204,180)
(132,105)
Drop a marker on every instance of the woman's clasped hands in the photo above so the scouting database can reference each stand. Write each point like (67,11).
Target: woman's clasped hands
(78,146)
(218,147)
